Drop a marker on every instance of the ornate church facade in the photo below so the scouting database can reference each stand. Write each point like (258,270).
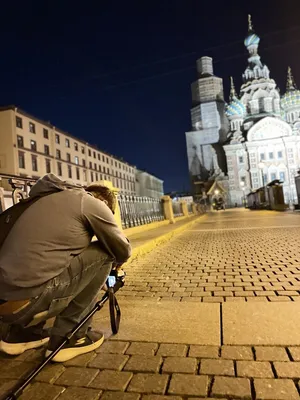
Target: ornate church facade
(262,140)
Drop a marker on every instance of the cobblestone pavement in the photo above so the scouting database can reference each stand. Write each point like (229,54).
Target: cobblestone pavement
(231,256)
(228,256)
(159,371)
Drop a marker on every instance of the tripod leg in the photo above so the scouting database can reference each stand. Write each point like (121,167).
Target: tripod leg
(19,389)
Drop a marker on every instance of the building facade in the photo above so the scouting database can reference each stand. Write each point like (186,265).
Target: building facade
(148,185)
(30,147)
(261,134)
(264,136)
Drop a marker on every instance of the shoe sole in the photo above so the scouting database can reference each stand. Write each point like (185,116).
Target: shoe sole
(15,349)
(72,352)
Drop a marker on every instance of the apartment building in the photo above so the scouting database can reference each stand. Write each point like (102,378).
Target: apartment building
(148,185)
(31,148)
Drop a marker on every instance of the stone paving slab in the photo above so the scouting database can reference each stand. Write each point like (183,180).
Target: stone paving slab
(204,374)
(159,322)
(236,256)
(145,241)
(261,323)
(249,259)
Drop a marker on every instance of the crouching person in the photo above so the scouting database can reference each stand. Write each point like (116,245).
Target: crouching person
(50,268)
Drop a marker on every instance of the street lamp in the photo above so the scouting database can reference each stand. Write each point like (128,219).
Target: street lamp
(261,166)
(243,189)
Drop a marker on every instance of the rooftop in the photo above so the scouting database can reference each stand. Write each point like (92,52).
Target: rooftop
(51,126)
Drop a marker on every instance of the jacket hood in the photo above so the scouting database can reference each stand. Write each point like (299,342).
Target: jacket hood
(50,183)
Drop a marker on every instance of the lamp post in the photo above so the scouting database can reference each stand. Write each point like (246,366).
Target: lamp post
(243,189)
(266,194)
(215,200)
(261,166)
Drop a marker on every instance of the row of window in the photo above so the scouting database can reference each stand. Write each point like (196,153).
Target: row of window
(271,155)
(33,161)
(273,177)
(94,154)
(94,175)
(33,147)
(19,123)
(263,156)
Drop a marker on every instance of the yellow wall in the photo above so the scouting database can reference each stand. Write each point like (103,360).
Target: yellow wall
(8,153)
(98,165)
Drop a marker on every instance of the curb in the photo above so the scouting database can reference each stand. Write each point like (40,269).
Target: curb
(152,244)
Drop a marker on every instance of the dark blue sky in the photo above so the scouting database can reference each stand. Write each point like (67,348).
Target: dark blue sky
(118,73)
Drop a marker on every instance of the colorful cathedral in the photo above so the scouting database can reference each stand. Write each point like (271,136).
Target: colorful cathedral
(262,140)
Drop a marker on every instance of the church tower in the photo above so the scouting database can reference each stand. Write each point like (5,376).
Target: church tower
(262,143)
(290,102)
(206,156)
(236,112)
(259,93)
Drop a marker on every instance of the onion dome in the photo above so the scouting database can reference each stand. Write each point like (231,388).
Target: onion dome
(252,39)
(291,99)
(235,107)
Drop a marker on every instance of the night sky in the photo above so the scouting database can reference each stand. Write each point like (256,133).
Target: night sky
(117,73)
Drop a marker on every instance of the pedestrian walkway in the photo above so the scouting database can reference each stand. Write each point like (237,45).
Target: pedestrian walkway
(229,256)
(147,239)
(212,314)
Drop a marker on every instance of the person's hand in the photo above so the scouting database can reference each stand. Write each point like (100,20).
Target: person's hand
(117,265)
(104,287)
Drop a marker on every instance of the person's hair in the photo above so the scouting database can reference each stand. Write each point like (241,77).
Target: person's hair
(103,193)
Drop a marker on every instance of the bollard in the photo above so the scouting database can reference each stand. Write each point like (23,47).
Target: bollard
(184,209)
(168,209)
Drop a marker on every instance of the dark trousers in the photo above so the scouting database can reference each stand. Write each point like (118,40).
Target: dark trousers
(69,296)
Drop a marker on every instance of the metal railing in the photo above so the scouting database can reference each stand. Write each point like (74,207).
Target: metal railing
(177,211)
(20,186)
(137,210)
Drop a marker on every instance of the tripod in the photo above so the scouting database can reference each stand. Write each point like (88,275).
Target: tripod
(114,282)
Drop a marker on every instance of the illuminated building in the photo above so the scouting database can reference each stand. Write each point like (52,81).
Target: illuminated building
(258,130)
(31,148)
(264,137)
(206,157)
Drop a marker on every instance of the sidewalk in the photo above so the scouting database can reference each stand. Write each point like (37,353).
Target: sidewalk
(212,314)
(168,351)
(147,240)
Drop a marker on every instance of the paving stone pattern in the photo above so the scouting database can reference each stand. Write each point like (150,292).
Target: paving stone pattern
(234,256)
(231,256)
(166,372)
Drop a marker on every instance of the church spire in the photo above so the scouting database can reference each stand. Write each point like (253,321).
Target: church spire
(250,26)
(232,89)
(252,40)
(290,84)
